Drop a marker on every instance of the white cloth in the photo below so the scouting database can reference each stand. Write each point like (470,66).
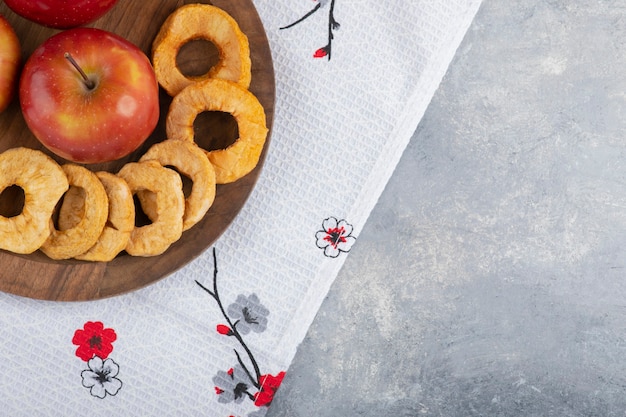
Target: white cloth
(341,124)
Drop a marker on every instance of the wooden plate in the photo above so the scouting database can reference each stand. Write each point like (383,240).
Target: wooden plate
(35,275)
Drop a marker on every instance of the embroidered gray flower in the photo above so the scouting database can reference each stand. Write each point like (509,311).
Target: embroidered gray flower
(248,314)
(100,378)
(233,385)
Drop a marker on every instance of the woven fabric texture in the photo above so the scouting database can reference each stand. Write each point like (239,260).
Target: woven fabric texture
(342,121)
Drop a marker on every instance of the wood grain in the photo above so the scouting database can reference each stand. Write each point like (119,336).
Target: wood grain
(35,275)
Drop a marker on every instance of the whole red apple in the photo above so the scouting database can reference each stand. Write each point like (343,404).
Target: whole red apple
(10,55)
(89,95)
(61,14)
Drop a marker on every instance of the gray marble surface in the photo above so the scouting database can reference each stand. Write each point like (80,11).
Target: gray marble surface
(490,280)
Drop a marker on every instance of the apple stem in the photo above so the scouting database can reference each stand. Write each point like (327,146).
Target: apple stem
(90,84)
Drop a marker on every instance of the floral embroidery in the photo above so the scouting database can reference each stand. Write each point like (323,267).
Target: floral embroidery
(233,385)
(335,237)
(244,381)
(333,25)
(269,386)
(95,343)
(92,340)
(100,378)
(249,314)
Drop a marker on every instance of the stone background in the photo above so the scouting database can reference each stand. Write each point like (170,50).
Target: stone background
(490,278)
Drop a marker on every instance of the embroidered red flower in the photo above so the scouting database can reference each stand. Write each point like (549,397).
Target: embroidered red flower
(269,386)
(94,340)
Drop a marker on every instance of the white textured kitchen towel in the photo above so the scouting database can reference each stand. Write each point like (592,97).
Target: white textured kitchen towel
(353,80)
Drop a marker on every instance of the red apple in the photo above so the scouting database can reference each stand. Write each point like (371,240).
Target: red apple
(10,55)
(61,14)
(89,95)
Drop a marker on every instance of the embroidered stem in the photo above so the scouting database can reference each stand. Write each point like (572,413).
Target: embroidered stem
(256,381)
(233,327)
(317,6)
(332,24)
(257,371)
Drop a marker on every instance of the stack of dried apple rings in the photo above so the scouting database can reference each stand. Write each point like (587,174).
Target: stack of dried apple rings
(71,212)
(224,88)
(96,211)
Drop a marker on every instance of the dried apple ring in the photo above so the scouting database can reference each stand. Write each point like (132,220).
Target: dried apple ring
(120,223)
(81,218)
(44,183)
(201,21)
(189,160)
(167,226)
(72,208)
(243,155)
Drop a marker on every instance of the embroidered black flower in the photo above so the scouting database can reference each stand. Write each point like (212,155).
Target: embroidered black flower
(335,237)
(100,378)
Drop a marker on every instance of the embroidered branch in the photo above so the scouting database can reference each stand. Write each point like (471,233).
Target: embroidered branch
(245,315)
(332,26)
(232,326)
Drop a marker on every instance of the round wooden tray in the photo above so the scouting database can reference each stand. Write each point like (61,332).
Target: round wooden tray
(35,275)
